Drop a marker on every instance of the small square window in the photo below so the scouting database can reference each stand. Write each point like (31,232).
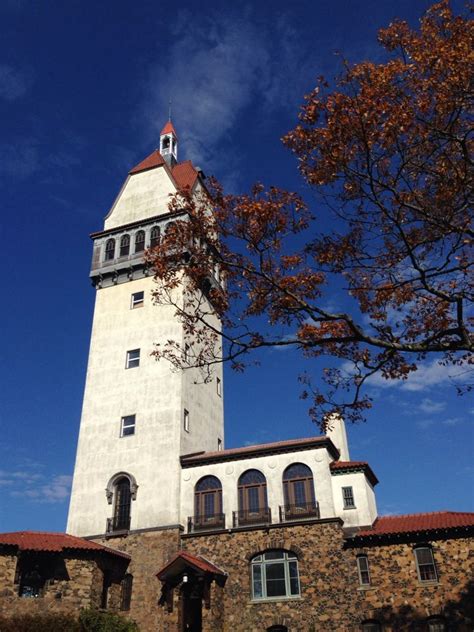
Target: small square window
(219,387)
(127,426)
(133,359)
(348,498)
(137,300)
(186,420)
(363,568)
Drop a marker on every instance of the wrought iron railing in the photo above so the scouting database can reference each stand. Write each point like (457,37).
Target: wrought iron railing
(299,511)
(206,523)
(118,524)
(246,517)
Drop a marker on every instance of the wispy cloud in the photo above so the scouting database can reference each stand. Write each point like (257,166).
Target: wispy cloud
(428,375)
(13,83)
(35,486)
(428,405)
(19,159)
(215,71)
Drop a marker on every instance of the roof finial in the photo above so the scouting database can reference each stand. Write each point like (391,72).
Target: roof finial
(169,110)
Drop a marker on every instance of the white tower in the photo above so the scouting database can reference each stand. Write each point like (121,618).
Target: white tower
(138,414)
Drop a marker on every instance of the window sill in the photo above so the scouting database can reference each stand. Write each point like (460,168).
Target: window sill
(428,582)
(348,508)
(364,588)
(275,599)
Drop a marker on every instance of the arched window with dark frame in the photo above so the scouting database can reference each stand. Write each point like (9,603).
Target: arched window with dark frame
(155,236)
(298,491)
(436,624)
(371,625)
(110,249)
(140,241)
(122,505)
(125,246)
(208,503)
(253,504)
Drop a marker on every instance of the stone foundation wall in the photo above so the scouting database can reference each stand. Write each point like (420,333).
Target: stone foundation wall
(150,551)
(65,596)
(398,599)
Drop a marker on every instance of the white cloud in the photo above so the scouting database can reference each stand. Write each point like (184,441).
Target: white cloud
(13,83)
(19,159)
(36,487)
(429,374)
(428,405)
(214,71)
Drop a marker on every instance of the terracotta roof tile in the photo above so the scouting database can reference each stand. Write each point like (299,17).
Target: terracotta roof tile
(195,561)
(247,451)
(347,466)
(44,541)
(155,159)
(185,174)
(168,129)
(413,523)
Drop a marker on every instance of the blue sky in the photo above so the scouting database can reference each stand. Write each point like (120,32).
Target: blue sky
(84,91)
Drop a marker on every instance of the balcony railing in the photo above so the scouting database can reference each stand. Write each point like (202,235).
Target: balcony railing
(210,522)
(244,518)
(300,511)
(115,525)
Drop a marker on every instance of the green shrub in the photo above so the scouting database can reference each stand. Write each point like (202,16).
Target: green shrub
(40,623)
(97,621)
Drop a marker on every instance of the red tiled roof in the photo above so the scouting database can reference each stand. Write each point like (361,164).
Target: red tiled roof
(414,523)
(348,466)
(155,159)
(185,174)
(182,559)
(168,129)
(278,446)
(44,541)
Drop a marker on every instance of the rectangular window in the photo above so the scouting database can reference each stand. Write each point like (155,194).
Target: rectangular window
(186,420)
(137,300)
(127,426)
(348,498)
(133,359)
(425,564)
(186,353)
(219,445)
(218,387)
(363,568)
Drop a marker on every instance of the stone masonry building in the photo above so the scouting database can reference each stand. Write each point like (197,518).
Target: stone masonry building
(181,534)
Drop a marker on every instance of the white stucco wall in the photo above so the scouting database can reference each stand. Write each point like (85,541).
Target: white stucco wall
(272,467)
(157,396)
(365,510)
(142,196)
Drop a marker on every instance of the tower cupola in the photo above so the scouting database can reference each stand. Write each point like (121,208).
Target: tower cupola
(169,144)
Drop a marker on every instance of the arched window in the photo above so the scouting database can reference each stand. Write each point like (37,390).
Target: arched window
(110,249)
(298,489)
(208,503)
(154,236)
(122,504)
(436,624)
(275,574)
(125,246)
(253,505)
(140,241)
(371,625)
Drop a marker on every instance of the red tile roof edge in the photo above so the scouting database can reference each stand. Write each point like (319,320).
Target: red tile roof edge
(386,526)
(52,541)
(197,561)
(197,458)
(361,466)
